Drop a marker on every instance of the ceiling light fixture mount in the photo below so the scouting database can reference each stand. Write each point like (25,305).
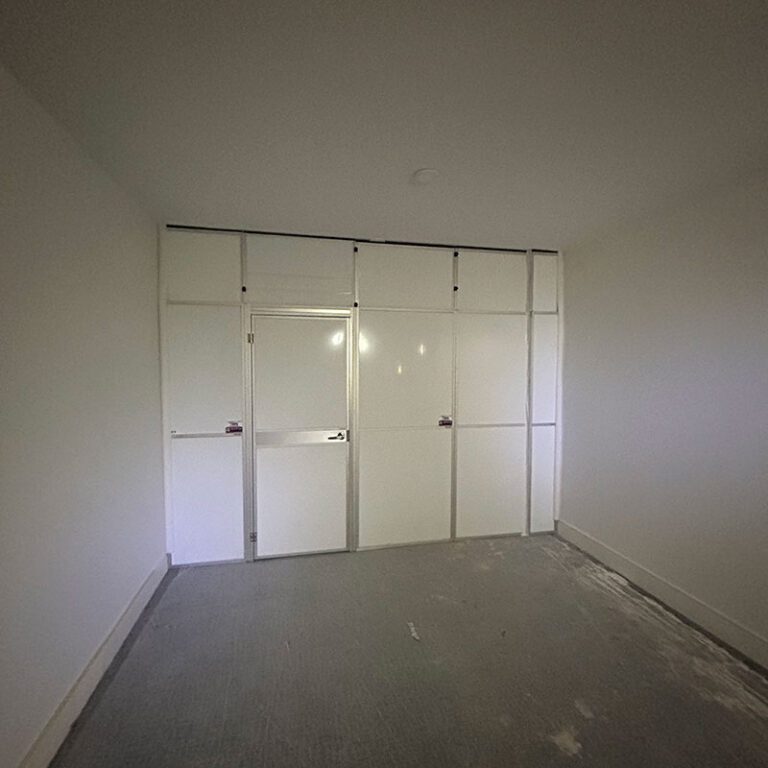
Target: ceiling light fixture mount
(424,176)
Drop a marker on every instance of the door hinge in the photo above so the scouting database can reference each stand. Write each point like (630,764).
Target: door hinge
(252,537)
(250,338)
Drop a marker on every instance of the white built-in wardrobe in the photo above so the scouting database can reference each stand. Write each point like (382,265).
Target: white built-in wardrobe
(387,394)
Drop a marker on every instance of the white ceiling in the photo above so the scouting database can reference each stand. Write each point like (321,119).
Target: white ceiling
(548,121)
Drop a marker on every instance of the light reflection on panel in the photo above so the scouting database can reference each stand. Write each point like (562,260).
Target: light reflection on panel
(404,277)
(405,486)
(491,281)
(492,365)
(544,282)
(543,479)
(405,368)
(490,481)
(301,499)
(299,271)
(544,377)
(299,373)
(207,495)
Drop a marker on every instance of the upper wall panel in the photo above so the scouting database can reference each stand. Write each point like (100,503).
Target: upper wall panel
(202,266)
(545,282)
(492,281)
(404,277)
(299,271)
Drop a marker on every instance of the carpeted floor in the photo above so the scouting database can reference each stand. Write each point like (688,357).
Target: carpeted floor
(485,653)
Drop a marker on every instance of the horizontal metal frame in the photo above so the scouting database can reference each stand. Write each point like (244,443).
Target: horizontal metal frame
(408,309)
(491,426)
(187,435)
(193,303)
(289,437)
(410,428)
(371,241)
(517,312)
(331,312)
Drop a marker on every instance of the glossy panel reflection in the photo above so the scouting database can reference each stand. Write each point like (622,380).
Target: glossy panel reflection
(405,368)
(299,373)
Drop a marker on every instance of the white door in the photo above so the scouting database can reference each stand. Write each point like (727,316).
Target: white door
(300,371)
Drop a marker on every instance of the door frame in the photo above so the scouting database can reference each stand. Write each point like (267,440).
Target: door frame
(249,452)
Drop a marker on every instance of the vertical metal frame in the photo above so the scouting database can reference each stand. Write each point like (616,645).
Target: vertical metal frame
(162,318)
(249,455)
(529,396)
(354,413)
(455,400)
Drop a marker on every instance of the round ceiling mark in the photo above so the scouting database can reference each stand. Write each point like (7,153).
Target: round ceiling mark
(424,176)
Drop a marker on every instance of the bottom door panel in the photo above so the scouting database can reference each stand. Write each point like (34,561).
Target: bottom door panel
(207,499)
(543,479)
(405,486)
(301,499)
(490,481)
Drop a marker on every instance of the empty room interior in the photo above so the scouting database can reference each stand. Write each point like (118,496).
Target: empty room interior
(383,384)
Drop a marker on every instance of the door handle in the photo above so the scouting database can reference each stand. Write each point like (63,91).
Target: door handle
(445,421)
(339,436)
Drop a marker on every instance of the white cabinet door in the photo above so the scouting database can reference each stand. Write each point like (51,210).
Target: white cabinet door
(300,437)
(544,374)
(204,356)
(207,499)
(299,271)
(404,277)
(406,375)
(545,282)
(492,281)
(406,361)
(405,486)
(201,266)
(543,479)
(490,480)
(492,369)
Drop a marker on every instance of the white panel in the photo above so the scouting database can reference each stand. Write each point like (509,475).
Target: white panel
(405,368)
(492,281)
(204,354)
(207,499)
(301,499)
(405,486)
(492,364)
(299,372)
(404,277)
(299,271)
(544,375)
(490,481)
(544,282)
(202,266)
(543,479)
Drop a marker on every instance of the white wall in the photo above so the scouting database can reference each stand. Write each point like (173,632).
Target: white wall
(81,526)
(665,453)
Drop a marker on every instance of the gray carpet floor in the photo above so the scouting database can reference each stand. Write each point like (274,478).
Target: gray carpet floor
(485,653)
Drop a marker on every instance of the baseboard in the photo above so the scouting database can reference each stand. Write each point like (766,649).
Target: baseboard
(745,641)
(55,731)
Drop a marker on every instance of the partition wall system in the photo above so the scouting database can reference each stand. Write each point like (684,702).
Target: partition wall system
(326,394)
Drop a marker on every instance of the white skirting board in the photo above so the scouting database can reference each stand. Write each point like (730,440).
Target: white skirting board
(56,729)
(736,635)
